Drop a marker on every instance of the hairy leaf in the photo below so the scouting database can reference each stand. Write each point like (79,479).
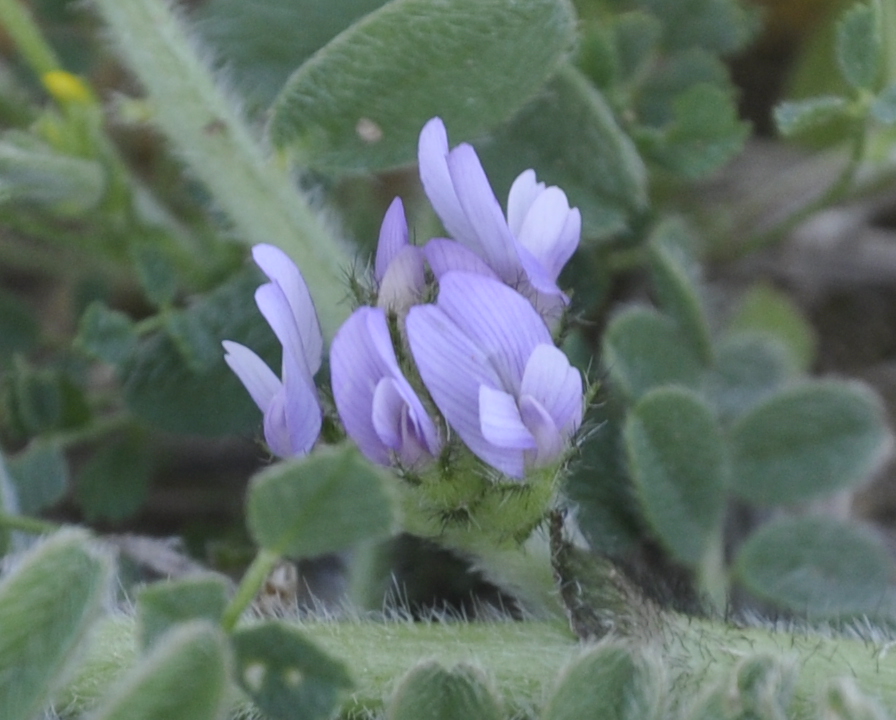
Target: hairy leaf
(322,503)
(678,460)
(815,566)
(359,103)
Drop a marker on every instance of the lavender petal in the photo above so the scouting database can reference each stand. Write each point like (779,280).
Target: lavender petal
(498,321)
(403,282)
(432,154)
(555,385)
(550,442)
(542,231)
(282,271)
(493,241)
(522,194)
(367,388)
(393,238)
(453,368)
(253,373)
(355,369)
(500,420)
(276,427)
(302,406)
(445,255)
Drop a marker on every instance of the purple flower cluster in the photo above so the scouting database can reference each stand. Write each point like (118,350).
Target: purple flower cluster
(483,351)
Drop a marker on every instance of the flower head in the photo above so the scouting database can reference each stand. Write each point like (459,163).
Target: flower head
(379,408)
(292,412)
(490,365)
(529,247)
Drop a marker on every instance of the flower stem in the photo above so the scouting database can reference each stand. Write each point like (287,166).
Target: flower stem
(252,581)
(204,126)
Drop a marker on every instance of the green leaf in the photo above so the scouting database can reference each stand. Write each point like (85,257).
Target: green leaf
(106,334)
(636,35)
(668,79)
(435,692)
(642,350)
(815,566)
(598,484)
(44,399)
(677,457)
(676,279)
(797,116)
(19,328)
(883,109)
(321,503)
(749,367)
(266,40)
(285,674)
(860,46)
(40,475)
(156,273)
(32,172)
(720,26)
(47,605)
(36,397)
(184,677)
(806,441)
(609,681)
(704,134)
(359,103)
(114,482)
(162,386)
(767,310)
(163,605)
(569,135)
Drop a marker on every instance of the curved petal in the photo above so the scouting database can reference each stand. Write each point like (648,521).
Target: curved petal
(274,307)
(283,273)
(498,321)
(276,428)
(386,414)
(404,281)
(393,238)
(253,373)
(522,194)
(432,155)
(493,241)
(445,255)
(542,231)
(302,406)
(453,368)
(556,386)
(536,275)
(549,440)
(500,420)
(355,370)
(401,423)
(375,401)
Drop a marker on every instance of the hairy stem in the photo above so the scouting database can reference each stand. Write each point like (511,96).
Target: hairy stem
(204,126)
(18,23)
